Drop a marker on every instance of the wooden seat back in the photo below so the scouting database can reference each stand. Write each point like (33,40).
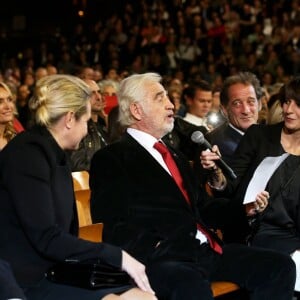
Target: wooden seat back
(81,180)
(220,288)
(83,207)
(92,232)
(82,195)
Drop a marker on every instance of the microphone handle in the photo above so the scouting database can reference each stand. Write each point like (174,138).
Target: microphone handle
(221,163)
(225,168)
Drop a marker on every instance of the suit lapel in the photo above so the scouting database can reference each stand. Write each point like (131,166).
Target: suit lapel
(139,153)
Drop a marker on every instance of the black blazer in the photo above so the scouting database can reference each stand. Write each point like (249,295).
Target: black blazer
(8,286)
(38,219)
(259,142)
(180,137)
(140,204)
(227,140)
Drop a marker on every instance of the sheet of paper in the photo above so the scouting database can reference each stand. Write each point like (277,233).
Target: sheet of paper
(261,176)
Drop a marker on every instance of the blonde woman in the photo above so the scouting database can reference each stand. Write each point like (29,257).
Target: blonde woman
(37,210)
(7,114)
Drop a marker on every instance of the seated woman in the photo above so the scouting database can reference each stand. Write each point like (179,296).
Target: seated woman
(38,217)
(7,115)
(268,157)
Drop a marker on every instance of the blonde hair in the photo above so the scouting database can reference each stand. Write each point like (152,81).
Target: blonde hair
(55,95)
(9,131)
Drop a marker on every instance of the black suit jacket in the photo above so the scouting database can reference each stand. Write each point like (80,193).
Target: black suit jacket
(8,286)
(141,205)
(227,140)
(259,142)
(38,219)
(180,138)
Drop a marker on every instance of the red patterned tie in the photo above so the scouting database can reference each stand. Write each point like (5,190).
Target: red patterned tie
(167,156)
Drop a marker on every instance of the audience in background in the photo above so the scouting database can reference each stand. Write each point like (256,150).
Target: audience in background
(175,95)
(227,45)
(274,109)
(216,117)
(22,99)
(7,116)
(198,102)
(264,110)
(109,89)
(96,137)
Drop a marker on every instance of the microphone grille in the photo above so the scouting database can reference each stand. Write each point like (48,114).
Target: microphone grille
(197,137)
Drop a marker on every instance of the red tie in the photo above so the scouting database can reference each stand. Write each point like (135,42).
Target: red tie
(165,153)
(167,156)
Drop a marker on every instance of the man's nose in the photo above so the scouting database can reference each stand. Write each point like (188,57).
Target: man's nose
(246,108)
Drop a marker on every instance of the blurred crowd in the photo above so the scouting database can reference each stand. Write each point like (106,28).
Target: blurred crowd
(183,40)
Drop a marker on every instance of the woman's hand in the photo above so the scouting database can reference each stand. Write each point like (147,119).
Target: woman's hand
(137,271)
(259,205)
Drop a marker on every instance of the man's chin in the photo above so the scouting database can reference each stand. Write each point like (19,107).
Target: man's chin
(169,128)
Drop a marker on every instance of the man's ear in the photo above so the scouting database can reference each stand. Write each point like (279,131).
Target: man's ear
(136,110)
(69,119)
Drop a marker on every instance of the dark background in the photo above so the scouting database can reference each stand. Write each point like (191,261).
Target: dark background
(25,23)
(20,17)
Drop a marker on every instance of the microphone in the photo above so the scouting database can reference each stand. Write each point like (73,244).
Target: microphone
(198,138)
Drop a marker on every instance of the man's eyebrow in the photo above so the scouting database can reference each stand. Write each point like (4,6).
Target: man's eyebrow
(160,93)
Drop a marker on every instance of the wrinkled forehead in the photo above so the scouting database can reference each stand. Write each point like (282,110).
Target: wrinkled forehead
(241,92)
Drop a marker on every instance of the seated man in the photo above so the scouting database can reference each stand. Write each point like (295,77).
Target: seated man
(198,100)
(240,101)
(96,137)
(147,198)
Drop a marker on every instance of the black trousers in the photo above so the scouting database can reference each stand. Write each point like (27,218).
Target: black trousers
(264,274)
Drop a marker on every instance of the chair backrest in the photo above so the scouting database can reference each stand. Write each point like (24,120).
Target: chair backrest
(81,180)
(83,207)
(220,288)
(82,196)
(92,232)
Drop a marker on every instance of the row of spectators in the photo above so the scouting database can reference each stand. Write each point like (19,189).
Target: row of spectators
(188,40)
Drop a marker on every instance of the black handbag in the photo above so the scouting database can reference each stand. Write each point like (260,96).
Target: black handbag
(88,274)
